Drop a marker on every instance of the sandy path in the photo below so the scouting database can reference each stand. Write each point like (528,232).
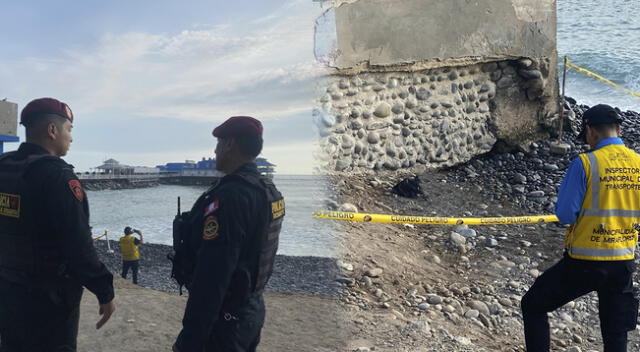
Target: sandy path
(148,320)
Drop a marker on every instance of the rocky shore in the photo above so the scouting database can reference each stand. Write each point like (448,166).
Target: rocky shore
(292,274)
(440,288)
(99,185)
(530,178)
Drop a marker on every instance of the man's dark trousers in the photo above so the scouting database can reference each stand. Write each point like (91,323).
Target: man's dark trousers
(35,319)
(572,278)
(134,265)
(240,331)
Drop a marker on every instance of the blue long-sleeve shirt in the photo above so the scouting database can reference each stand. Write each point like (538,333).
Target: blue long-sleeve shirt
(574,186)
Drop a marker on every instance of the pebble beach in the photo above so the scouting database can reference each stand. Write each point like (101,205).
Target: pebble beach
(292,274)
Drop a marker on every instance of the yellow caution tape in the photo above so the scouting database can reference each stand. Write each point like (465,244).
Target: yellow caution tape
(602,79)
(105,234)
(426,220)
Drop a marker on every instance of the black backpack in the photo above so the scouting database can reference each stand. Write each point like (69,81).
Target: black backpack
(182,261)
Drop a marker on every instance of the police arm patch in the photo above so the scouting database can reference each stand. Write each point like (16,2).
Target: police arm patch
(10,205)
(211,207)
(211,228)
(76,189)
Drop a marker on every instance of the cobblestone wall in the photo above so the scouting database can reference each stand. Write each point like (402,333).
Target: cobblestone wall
(437,117)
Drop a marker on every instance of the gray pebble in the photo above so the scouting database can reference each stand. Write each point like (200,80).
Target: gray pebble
(383,110)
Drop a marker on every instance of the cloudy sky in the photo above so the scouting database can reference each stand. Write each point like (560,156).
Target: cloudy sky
(148,84)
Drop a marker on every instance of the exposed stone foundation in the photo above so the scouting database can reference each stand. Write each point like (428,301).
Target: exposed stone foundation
(435,117)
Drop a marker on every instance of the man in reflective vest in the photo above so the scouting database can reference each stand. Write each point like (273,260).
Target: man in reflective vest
(130,251)
(600,198)
(234,231)
(46,250)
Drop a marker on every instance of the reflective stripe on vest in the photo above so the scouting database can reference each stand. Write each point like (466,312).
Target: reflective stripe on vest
(128,248)
(607,227)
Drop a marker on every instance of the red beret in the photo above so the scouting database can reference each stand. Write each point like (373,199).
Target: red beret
(238,126)
(45,106)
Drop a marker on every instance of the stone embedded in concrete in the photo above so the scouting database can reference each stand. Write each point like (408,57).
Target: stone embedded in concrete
(534,84)
(373,138)
(377,125)
(423,94)
(383,110)
(530,74)
(505,82)
(356,124)
(397,108)
(489,67)
(418,120)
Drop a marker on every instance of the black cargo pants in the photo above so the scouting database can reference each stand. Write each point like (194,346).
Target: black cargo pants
(35,319)
(239,331)
(572,278)
(133,265)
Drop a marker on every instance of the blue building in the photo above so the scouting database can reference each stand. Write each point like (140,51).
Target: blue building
(207,168)
(189,165)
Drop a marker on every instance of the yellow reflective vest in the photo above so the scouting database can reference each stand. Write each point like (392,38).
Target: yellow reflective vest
(128,248)
(607,226)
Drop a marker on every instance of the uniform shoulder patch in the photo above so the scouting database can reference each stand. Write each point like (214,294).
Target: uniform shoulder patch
(211,228)
(10,205)
(277,209)
(76,189)
(215,205)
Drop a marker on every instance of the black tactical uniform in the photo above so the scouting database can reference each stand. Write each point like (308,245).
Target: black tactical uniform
(235,227)
(46,252)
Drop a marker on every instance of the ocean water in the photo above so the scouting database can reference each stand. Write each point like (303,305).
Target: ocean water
(152,210)
(604,37)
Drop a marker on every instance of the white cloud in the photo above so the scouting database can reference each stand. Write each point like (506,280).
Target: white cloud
(207,72)
(204,74)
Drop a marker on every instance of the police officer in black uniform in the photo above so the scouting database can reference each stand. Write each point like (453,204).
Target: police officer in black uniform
(46,250)
(234,228)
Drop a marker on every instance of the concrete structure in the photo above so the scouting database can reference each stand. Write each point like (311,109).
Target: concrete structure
(392,32)
(433,82)
(8,123)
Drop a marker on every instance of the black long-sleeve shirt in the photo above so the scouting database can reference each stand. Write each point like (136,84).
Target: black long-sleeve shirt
(225,221)
(63,213)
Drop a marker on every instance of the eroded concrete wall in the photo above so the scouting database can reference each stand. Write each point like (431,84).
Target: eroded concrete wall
(8,118)
(390,32)
(434,82)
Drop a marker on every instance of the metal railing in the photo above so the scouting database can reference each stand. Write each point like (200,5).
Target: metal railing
(106,237)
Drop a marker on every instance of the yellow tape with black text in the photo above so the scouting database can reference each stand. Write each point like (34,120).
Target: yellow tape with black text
(427,220)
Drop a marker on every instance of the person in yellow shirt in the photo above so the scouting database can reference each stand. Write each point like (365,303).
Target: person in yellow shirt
(130,250)
(600,198)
